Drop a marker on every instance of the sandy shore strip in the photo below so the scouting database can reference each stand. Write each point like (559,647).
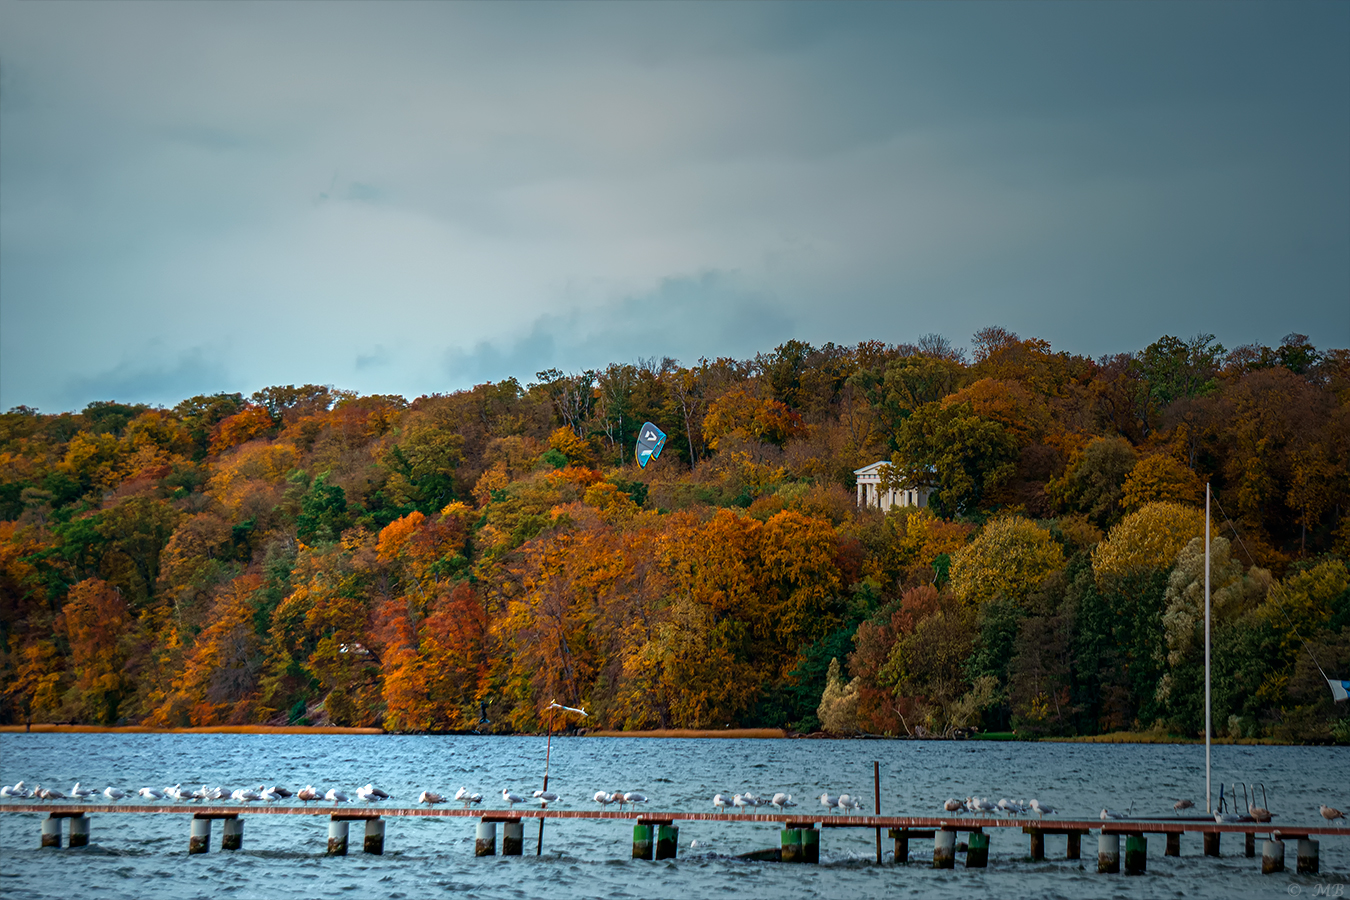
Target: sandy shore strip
(695,733)
(213,729)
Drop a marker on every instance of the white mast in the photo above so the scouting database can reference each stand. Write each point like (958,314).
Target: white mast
(1208,790)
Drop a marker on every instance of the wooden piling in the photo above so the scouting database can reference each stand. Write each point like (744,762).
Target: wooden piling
(1074,847)
(79,830)
(792,845)
(373,842)
(513,838)
(667,841)
(810,845)
(1108,854)
(1173,844)
(1136,854)
(901,838)
(1250,848)
(944,849)
(200,839)
(51,832)
(1211,843)
(1037,845)
(232,834)
(977,851)
(337,837)
(1272,857)
(485,839)
(1307,856)
(642,841)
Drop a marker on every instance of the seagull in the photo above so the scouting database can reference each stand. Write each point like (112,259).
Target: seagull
(113,793)
(177,793)
(753,799)
(79,793)
(720,801)
(1182,804)
(268,795)
(307,793)
(430,798)
(617,797)
(1008,806)
(1331,814)
(740,802)
(1111,814)
(952,805)
(511,799)
(462,796)
(43,793)
(281,791)
(244,795)
(545,798)
(371,794)
(633,797)
(782,800)
(1260,814)
(336,796)
(603,799)
(151,794)
(1042,809)
(830,801)
(847,802)
(7,791)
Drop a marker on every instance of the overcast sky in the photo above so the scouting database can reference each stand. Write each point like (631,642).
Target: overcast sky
(416,197)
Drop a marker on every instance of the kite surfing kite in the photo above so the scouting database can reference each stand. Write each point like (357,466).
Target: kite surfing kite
(649,443)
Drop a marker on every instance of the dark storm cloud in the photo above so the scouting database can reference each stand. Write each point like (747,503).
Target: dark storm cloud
(409,197)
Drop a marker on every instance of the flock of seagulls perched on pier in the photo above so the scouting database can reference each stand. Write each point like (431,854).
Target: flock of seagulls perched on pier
(739,802)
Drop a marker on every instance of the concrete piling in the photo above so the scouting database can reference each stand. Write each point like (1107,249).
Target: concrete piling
(1307,856)
(1037,845)
(232,834)
(944,849)
(642,841)
(1272,857)
(1074,845)
(667,841)
(337,837)
(200,839)
(1136,854)
(1211,843)
(810,845)
(977,851)
(374,837)
(1108,854)
(513,838)
(1173,844)
(51,832)
(792,845)
(79,831)
(485,839)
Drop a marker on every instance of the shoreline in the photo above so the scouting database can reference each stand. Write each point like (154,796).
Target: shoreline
(209,729)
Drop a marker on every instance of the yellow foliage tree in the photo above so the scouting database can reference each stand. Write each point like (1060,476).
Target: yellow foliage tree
(1147,540)
(1160,477)
(1009,557)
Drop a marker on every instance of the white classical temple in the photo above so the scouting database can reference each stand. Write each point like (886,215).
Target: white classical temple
(870,493)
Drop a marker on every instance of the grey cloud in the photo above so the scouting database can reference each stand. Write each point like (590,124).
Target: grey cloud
(157,383)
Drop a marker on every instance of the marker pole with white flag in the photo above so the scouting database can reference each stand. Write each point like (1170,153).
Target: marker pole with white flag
(1208,729)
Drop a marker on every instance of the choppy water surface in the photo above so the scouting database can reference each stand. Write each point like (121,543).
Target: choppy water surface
(146,856)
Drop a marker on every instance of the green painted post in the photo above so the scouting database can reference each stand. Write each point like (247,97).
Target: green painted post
(642,842)
(792,845)
(811,845)
(977,851)
(667,841)
(1136,854)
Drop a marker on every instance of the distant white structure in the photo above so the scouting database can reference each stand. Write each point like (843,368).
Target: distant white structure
(871,494)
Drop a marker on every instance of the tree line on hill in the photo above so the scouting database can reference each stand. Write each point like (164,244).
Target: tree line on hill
(458,561)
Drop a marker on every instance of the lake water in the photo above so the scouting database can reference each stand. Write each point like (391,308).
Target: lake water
(146,856)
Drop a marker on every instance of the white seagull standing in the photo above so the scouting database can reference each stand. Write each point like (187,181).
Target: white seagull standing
(336,796)
(740,802)
(511,799)
(720,801)
(151,794)
(430,798)
(782,800)
(602,798)
(79,793)
(1112,814)
(546,797)
(633,798)
(268,795)
(830,802)
(245,795)
(953,805)
(308,793)
(371,794)
(1042,809)
(113,794)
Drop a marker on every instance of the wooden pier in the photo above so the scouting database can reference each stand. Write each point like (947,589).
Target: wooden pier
(656,834)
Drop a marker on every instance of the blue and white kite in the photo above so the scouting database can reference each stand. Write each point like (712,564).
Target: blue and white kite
(649,443)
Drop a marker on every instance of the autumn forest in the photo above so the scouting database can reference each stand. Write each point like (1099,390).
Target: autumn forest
(305,555)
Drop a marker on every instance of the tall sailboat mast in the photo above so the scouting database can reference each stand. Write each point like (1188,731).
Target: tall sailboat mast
(1208,727)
